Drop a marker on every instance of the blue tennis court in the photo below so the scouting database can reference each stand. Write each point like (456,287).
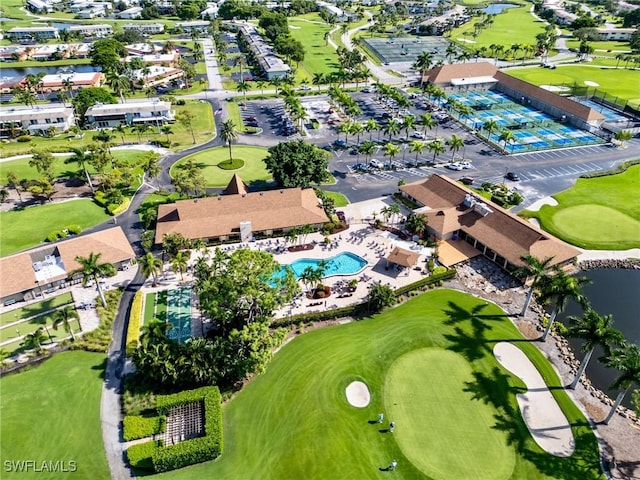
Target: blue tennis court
(610,115)
(179,314)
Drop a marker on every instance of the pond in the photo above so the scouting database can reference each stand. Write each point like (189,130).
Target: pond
(23,71)
(497,8)
(614,292)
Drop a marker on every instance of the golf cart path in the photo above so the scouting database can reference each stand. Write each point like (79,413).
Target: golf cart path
(542,414)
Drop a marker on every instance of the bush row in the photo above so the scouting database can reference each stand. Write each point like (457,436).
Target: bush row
(140,455)
(196,450)
(423,282)
(136,426)
(118,208)
(64,233)
(135,319)
(98,340)
(619,169)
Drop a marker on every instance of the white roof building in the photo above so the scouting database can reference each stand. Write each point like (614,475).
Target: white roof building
(38,119)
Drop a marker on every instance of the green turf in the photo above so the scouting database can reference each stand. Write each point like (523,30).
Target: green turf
(614,45)
(319,56)
(339,199)
(35,308)
(471,447)
(515,25)
(28,326)
(52,413)
(254,169)
(29,227)
(61,169)
(616,82)
(294,421)
(599,213)
(149,308)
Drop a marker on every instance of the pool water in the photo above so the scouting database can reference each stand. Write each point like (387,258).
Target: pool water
(345,263)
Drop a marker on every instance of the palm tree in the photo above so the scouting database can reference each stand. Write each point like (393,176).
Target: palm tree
(311,277)
(92,269)
(455,143)
(356,129)
(489,126)
(391,150)
(150,266)
(416,224)
(229,134)
(154,329)
(121,129)
(538,271)
(260,84)
(417,147)
(179,263)
(243,87)
(367,148)
(428,122)
(408,122)
(81,157)
(239,62)
(561,287)
(506,136)
(623,136)
(594,329)
(35,339)
(392,128)
(627,361)
(166,129)
(370,126)
(437,147)
(63,317)
(345,128)
(422,64)
(120,84)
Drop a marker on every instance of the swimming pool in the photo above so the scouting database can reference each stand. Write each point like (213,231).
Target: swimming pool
(345,263)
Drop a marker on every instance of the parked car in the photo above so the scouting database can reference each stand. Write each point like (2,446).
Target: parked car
(250,119)
(361,167)
(375,163)
(467,180)
(465,164)
(354,151)
(366,90)
(419,135)
(454,166)
(340,144)
(513,177)
(304,88)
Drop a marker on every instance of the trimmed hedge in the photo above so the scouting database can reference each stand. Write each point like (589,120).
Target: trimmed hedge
(140,455)
(136,426)
(196,450)
(135,319)
(435,278)
(619,169)
(117,208)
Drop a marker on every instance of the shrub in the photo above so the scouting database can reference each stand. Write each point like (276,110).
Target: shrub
(136,426)
(73,229)
(162,143)
(58,234)
(117,209)
(24,138)
(98,340)
(140,455)
(135,318)
(428,281)
(180,102)
(439,270)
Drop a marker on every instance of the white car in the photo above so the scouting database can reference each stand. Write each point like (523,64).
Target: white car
(454,166)
(304,88)
(419,135)
(376,163)
(465,164)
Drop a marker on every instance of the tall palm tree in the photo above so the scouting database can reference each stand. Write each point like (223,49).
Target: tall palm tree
(391,150)
(506,136)
(416,224)
(229,134)
(538,271)
(392,128)
(367,148)
(627,361)
(150,266)
(319,79)
(260,84)
(81,157)
(489,126)
(427,122)
(437,147)
(455,143)
(422,64)
(121,128)
(408,122)
(356,129)
(92,269)
(559,288)
(63,317)
(179,263)
(167,130)
(417,147)
(243,87)
(345,128)
(594,329)
(239,62)
(370,126)
(35,339)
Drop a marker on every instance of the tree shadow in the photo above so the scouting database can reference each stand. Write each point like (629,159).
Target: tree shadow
(101,367)
(470,347)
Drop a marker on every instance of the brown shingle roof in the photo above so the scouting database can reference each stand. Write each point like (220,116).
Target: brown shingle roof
(405,258)
(508,235)
(550,98)
(236,186)
(17,273)
(445,73)
(213,217)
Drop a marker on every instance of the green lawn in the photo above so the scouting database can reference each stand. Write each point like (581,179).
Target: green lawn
(254,169)
(29,227)
(339,199)
(293,421)
(61,169)
(616,82)
(603,45)
(35,308)
(29,326)
(149,308)
(599,213)
(319,57)
(515,25)
(52,413)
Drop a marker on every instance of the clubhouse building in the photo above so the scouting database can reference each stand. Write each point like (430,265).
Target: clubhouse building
(33,273)
(466,225)
(240,215)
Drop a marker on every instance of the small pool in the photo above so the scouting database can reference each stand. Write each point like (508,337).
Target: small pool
(345,263)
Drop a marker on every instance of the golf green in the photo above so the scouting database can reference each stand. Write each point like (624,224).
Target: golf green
(437,420)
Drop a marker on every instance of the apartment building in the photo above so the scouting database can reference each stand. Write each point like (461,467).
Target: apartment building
(37,120)
(154,112)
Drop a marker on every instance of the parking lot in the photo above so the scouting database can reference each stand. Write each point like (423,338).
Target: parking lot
(270,116)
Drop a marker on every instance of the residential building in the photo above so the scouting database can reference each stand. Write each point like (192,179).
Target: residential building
(339,14)
(210,12)
(38,6)
(28,275)
(142,49)
(132,13)
(155,112)
(37,120)
(485,75)
(97,30)
(144,28)
(241,215)
(93,12)
(466,225)
(199,26)
(271,65)
(155,75)
(9,83)
(57,81)
(32,33)
(160,59)
(620,34)
(13,53)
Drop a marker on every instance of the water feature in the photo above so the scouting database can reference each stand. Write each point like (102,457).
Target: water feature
(23,71)
(497,8)
(345,263)
(613,292)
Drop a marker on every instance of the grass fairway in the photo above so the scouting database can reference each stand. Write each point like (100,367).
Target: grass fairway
(617,82)
(472,450)
(52,413)
(294,421)
(25,228)
(597,213)
(253,171)
(319,57)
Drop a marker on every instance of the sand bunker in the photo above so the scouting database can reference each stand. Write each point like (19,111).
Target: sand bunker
(591,84)
(465,40)
(540,411)
(555,88)
(358,394)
